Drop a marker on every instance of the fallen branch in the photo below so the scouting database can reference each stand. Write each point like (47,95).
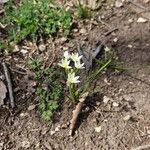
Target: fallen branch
(143,147)
(9,83)
(138,5)
(110,31)
(76,113)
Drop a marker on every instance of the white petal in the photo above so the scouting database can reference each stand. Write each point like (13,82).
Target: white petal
(66,55)
(76,78)
(80,57)
(76,81)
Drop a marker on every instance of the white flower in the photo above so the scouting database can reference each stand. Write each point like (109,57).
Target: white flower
(107,49)
(75,57)
(78,65)
(65,64)
(72,78)
(66,55)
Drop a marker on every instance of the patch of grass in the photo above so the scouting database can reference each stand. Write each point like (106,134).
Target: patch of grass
(33,18)
(49,89)
(82,11)
(108,60)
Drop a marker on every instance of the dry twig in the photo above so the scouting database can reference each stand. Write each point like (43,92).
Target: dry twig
(9,83)
(138,5)
(110,31)
(76,112)
(143,147)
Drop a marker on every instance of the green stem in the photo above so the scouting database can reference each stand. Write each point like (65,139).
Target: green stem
(92,77)
(71,92)
(98,71)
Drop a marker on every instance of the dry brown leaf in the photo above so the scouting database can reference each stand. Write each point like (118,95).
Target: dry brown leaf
(146,1)
(76,112)
(3,92)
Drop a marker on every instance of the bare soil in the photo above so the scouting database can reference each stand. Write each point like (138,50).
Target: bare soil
(124,127)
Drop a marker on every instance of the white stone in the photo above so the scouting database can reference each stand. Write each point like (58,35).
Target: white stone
(42,47)
(106,99)
(118,4)
(83,31)
(24,51)
(141,20)
(115,104)
(130,46)
(98,129)
(115,40)
(126,118)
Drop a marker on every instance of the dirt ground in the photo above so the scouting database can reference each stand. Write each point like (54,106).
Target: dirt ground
(123,127)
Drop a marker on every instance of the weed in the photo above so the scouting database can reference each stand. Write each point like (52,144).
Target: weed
(82,11)
(32,18)
(49,88)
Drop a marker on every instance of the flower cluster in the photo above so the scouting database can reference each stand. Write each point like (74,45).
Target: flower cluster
(71,70)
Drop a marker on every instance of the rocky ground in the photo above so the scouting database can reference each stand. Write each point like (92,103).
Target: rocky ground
(116,116)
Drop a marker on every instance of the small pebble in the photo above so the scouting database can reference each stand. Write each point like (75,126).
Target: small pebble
(141,20)
(24,51)
(31,107)
(75,30)
(65,48)
(126,118)
(83,31)
(130,20)
(130,46)
(64,126)
(16,49)
(52,132)
(118,4)
(25,144)
(57,129)
(98,129)
(42,47)
(63,39)
(1,145)
(115,104)
(106,99)
(115,40)
(24,114)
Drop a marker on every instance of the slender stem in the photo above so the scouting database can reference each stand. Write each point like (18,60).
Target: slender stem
(91,78)
(98,71)
(71,92)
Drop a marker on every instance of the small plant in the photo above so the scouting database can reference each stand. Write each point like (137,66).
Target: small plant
(71,71)
(82,11)
(72,66)
(49,89)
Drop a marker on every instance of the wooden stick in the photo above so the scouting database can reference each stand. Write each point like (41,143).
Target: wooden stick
(138,5)
(76,112)
(9,83)
(143,147)
(110,31)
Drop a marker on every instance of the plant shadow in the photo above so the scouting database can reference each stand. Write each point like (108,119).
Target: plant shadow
(90,103)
